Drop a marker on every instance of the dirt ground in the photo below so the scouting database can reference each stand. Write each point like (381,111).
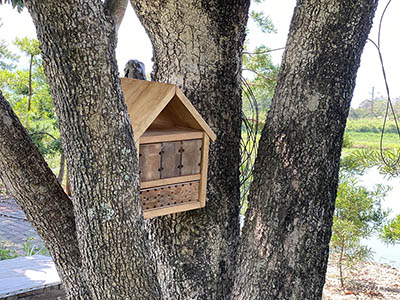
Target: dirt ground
(368,280)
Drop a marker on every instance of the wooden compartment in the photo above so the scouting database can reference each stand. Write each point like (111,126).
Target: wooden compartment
(170,195)
(169,159)
(173,142)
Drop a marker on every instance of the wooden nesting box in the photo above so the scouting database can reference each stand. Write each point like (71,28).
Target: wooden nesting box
(173,142)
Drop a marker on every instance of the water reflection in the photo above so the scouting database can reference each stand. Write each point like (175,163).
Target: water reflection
(384,253)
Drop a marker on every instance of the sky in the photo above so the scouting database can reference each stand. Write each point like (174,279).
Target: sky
(133,42)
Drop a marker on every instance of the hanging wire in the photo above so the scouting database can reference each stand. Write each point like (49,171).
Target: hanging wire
(389,101)
(248,141)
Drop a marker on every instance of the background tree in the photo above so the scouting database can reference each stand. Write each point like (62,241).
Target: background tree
(359,161)
(364,109)
(258,68)
(6,57)
(28,92)
(358,215)
(391,231)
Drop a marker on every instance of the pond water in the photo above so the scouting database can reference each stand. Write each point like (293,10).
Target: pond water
(384,253)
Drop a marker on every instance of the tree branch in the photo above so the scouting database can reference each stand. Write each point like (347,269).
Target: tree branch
(258,74)
(30,83)
(117,10)
(263,52)
(35,188)
(44,133)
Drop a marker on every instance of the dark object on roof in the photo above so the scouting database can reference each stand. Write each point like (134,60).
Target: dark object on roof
(135,69)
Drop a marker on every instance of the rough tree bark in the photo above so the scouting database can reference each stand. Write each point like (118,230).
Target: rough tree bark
(109,259)
(116,8)
(36,189)
(198,46)
(285,241)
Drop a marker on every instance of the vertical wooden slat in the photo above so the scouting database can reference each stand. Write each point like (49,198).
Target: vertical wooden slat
(204,170)
(191,157)
(149,161)
(171,159)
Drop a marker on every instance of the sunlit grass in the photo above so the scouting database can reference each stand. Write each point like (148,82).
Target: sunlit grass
(372,140)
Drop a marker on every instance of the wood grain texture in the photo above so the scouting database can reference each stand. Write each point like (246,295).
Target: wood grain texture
(185,101)
(204,170)
(150,161)
(167,181)
(191,157)
(145,101)
(170,159)
(162,104)
(148,214)
(170,134)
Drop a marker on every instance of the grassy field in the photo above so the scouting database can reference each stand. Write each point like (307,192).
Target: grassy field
(366,134)
(372,140)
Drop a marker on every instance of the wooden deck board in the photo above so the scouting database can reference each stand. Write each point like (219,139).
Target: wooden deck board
(25,274)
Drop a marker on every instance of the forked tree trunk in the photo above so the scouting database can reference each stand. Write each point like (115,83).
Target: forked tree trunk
(77,39)
(198,46)
(285,241)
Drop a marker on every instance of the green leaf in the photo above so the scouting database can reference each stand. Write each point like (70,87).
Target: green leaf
(391,231)
(263,22)
(18,4)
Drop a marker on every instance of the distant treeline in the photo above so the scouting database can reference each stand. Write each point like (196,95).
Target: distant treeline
(373,108)
(370,125)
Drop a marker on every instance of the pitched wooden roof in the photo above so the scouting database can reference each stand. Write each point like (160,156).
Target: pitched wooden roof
(146,100)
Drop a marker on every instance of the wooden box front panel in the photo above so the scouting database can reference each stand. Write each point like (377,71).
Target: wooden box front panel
(191,157)
(149,161)
(170,195)
(170,159)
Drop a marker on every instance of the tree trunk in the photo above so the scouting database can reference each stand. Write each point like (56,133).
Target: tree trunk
(60,175)
(36,189)
(77,39)
(198,46)
(285,241)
